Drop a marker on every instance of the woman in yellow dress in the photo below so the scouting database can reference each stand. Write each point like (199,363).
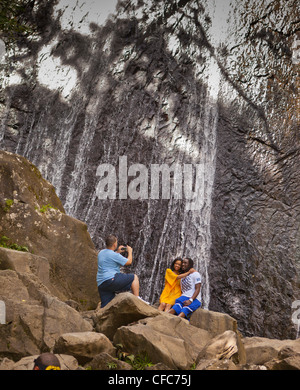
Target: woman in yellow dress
(172,288)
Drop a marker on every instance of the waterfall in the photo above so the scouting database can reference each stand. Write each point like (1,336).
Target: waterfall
(98,110)
(194,235)
(79,181)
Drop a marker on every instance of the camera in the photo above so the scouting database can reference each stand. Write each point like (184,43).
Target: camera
(124,251)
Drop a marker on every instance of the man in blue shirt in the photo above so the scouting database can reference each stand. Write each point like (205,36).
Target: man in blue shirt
(109,278)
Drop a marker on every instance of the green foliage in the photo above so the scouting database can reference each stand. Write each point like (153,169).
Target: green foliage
(13,23)
(138,362)
(112,365)
(8,204)
(6,243)
(46,207)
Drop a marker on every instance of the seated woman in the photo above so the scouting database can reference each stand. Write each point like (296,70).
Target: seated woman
(172,289)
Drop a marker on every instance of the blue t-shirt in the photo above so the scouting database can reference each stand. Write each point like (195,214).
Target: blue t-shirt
(109,263)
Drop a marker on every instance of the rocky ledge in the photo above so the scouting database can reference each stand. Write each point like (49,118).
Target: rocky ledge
(112,337)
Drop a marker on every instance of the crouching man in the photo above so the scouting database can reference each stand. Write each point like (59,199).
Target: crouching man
(109,278)
(189,301)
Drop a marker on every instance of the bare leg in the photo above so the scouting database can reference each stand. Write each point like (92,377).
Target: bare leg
(162,306)
(135,286)
(167,307)
(181,315)
(172,311)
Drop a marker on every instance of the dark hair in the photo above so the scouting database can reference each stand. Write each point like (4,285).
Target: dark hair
(174,261)
(191,263)
(46,361)
(110,240)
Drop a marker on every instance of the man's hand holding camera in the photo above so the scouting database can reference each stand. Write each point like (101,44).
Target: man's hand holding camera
(126,251)
(123,248)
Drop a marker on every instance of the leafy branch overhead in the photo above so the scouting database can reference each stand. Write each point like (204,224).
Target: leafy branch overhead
(15,19)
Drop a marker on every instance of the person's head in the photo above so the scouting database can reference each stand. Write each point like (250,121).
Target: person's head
(46,361)
(176,264)
(187,264)
(111,242)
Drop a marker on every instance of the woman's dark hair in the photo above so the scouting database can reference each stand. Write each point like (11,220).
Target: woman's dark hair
(174,261)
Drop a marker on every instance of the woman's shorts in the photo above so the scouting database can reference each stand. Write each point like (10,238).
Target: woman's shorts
(187,310)
(108,289)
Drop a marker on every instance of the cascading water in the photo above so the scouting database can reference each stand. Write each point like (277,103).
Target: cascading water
(170,135)
(195,224)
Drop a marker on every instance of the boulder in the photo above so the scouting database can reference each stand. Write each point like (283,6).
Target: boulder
(124,309)
(164,339)
(104,361)
(216,364)
(34,317)
(225,346)
(214,322)
(6,364)
(25,262)
(260,350)
(32,215)
(84,346)
(288,363)
(158,367)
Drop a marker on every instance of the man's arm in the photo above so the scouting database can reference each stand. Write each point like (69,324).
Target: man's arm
(129,258)
(181,276)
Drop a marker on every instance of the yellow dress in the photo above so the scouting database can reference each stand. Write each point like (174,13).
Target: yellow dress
(172,289)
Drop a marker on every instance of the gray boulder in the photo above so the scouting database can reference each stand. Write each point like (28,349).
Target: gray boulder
(214,322)
(84,346)
(104,361)
(164,339)
(25,262)
(261,350)
(124,309)
(226,347)
(34,317)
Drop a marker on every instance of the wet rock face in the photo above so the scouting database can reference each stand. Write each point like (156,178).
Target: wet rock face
(164,82)
(255,239)
(255,213)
